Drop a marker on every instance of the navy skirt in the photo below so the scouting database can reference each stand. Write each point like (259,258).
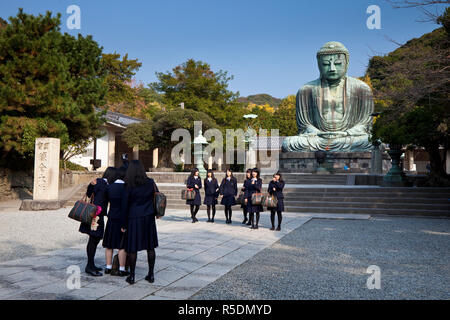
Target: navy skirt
(112,239)
(210,200)
(86,228)
(141,234)
(228,201)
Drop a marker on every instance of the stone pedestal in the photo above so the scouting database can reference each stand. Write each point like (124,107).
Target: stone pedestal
(46,176)
(306,162)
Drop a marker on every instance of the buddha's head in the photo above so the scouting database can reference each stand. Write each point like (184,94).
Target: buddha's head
(333,59)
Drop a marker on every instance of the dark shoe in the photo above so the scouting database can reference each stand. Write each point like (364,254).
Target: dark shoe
(195,219)
(273,228)
(256,227)
(249,223)
(107,271)
(123,273)
(93,272)
(245,221)
(278,228)
(150,278)
(97,268)
(209,220)
(130,279)
(212,220)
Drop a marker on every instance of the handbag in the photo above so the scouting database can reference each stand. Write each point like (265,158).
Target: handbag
(159,202)
(83,211)
(270,201)
(257,199)
(188,194)
(240,198)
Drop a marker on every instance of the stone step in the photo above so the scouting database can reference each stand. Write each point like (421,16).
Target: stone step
(373,192)
(402,201)
(370,211)
(414,206)
(386,205)
(331,210)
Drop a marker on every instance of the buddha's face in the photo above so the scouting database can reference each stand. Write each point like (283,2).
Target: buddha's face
(333,66)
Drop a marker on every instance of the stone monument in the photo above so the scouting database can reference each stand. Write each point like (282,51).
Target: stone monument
(46,176)
(333,114)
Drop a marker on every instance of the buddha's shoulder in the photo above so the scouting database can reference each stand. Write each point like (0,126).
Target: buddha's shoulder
(310,86)
(358,83)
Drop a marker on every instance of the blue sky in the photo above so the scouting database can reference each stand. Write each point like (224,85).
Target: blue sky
(269,46)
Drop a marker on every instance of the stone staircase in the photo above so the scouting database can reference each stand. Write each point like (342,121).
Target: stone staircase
(76,195)
(309,193)
(348,199)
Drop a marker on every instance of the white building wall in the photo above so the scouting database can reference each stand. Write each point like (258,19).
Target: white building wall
(84,159)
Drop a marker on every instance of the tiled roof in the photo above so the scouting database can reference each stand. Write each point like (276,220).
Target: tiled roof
(120,119)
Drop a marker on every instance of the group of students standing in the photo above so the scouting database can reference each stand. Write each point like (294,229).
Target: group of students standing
(228,189)
(131,223)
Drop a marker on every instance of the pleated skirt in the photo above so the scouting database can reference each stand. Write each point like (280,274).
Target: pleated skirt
(142,234)
(228,201)
(210,200)
(112,239)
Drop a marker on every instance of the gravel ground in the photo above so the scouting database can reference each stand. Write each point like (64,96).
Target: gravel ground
(26,233)
(328,259)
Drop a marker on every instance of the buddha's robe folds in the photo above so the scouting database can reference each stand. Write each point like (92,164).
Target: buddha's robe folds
(346,128)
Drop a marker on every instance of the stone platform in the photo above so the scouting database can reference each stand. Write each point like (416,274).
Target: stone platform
(189,257)
(306,162)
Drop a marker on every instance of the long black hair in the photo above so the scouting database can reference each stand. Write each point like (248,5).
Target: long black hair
(110,174)
(257,173)
(212,175)
(193,171)
(248,171)
(279,174)
(120,173)
(231,175)
(135,175)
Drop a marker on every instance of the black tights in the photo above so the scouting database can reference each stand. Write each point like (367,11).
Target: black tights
(194,210)
(272,217)
(252,216)
(228,213)
(208,211)
(91,248)
(245,213)
(151,257)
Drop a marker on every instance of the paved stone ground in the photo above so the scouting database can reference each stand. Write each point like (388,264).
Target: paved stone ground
(190,256)
(328,259)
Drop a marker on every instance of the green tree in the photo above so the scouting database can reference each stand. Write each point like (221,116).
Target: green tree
(49,85)
(200,89)
(121,95)
(284,117)
(414,83)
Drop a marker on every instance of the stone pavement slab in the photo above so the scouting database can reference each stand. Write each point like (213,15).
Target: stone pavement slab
(190,257)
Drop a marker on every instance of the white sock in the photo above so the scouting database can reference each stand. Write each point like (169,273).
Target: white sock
(109,266)
(122,268)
